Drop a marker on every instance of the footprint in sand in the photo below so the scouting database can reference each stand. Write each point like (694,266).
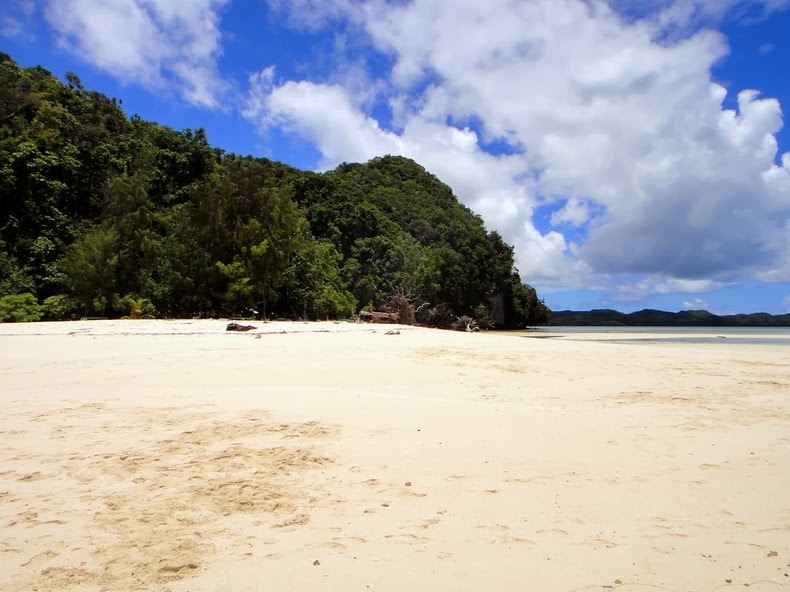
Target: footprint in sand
(178,569)
(428,523)
(326,545)
(351,539)
(299,520)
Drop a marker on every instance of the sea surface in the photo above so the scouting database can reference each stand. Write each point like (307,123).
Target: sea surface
(723,335)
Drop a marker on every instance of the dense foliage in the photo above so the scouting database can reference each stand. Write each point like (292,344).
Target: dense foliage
(659,318)
(105,215)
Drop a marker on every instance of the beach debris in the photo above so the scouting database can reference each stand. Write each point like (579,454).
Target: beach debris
(772,554)
(408,484)
(369,316)
(258,336)
(392,332)
(316,562)
(237,327)
(466,323)
(385,505)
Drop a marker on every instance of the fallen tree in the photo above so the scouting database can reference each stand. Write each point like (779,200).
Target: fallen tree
(369,316)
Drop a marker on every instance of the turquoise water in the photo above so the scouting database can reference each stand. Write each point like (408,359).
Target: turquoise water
(723,335)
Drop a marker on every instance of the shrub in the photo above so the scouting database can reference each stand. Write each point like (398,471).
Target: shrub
(59,307)
(482,316)
(139,308)
(19,308)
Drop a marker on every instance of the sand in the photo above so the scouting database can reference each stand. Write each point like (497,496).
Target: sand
(170,455)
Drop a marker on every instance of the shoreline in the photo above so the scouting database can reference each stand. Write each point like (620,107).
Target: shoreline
(214,326)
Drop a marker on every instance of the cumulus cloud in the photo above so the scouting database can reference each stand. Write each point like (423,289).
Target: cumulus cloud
(655,186)
(305,107)
(151,42)
(330,116)
(575,212)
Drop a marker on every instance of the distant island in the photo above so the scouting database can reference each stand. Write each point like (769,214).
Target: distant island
(660,318)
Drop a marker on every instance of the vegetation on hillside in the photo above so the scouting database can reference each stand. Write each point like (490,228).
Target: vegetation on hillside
(659,318)
(106,215)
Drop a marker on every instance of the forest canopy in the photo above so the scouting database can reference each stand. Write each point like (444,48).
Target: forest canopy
(107,215)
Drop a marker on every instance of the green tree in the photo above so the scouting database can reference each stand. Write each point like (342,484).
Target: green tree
(59,307)
(89,266)
(312,283)
(19,308)
(95,204)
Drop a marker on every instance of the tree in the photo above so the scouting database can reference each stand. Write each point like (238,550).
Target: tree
(89,266)
(19,308)
(114,210)
(312,283)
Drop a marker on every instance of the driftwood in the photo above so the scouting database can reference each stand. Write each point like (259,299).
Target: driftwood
(400,303)
(367,316)
(237,327)
(467,324)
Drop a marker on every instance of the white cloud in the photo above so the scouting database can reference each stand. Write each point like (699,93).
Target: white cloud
(151,42)
(611,116)
(575,212)
(483,181)
(786,304)
(323,113)
(696,304)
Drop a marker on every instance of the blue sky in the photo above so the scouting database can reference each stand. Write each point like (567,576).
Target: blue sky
(633,151)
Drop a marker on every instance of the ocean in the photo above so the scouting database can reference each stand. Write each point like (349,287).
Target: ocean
(702,335)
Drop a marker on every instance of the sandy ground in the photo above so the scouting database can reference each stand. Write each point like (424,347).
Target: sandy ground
(160,456)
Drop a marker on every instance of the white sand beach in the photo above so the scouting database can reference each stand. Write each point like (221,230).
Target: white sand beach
(171,455)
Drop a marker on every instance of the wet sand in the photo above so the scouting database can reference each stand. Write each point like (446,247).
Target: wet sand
(170,455)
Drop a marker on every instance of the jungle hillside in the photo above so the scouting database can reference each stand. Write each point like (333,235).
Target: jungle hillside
(106,215)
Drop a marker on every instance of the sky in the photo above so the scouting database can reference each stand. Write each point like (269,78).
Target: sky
(632,151)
